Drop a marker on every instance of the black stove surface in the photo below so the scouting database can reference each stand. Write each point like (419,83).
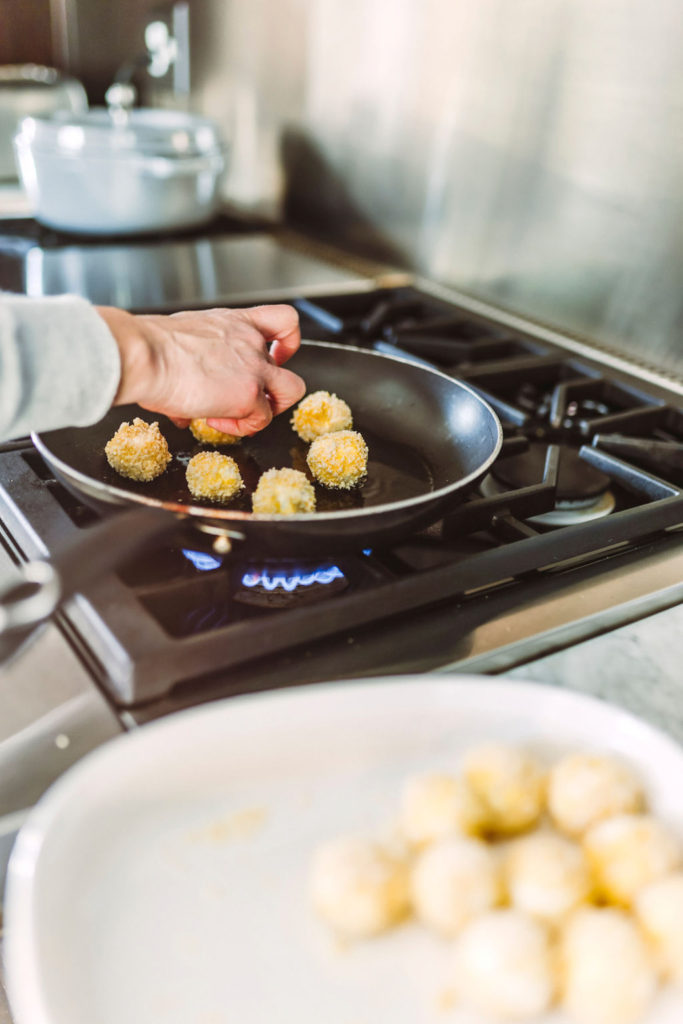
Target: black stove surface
(185,623)
(18,235)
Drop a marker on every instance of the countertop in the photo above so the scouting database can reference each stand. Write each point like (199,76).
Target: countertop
(638,667)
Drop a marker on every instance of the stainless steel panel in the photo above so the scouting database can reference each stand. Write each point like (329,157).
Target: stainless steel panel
(527,151)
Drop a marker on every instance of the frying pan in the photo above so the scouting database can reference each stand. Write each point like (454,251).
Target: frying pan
(431,438)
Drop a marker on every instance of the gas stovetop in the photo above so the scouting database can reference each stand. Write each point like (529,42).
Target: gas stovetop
(574,531)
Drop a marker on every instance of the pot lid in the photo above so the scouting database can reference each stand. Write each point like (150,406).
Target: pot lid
(170,133)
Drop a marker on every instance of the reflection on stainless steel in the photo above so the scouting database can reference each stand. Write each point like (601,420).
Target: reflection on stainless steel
(529,153)
(174,275)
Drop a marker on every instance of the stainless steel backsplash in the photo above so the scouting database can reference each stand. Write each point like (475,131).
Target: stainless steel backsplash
(529,152)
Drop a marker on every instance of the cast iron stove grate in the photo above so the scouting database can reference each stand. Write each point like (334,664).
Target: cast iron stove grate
(186,622)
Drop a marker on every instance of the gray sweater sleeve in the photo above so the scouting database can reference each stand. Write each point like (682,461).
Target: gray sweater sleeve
(59,364)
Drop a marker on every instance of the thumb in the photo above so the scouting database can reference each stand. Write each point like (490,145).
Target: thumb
(279,324)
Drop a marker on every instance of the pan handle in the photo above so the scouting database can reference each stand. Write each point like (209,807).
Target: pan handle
(42,586)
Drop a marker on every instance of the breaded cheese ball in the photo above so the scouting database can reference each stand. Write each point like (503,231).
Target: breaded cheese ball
(339,459)
(547,876)
(606,973)
(209,435)
(320,413)
(434,806)
(584,789)
(214,476)
(628,852)
(138,450)
(503,966)
(454,880)
(359,886)
(511,785)
(659,909)
(283,492)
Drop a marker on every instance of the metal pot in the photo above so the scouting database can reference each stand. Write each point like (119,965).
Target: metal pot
(102,174)
(31,90)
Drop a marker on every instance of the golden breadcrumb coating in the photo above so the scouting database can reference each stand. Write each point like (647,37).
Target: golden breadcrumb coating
(207,435)
(138,450)
(212,475)
(321,413)
(339,459)
(283,492)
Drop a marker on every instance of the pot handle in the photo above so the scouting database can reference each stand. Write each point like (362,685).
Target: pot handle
(43,586)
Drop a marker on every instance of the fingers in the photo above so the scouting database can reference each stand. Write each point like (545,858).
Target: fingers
(279,325)
(258,417)
(182,423)
(284,388)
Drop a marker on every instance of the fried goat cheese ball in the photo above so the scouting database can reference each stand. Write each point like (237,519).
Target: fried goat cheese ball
(338,460)
(283,492)
(320,413)
(138,450)
(214,476)
(207,435)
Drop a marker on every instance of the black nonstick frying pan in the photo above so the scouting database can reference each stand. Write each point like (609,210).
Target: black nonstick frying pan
(430,437)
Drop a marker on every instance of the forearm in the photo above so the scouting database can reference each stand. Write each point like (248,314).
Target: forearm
(59,364)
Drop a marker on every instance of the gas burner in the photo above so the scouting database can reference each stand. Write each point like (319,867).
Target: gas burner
(564,513)
(582,492)
(287,586)
(578,483)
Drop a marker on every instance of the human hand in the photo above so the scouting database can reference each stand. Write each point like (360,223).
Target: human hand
(215,364)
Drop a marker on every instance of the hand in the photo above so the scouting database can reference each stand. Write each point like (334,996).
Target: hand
(214,364)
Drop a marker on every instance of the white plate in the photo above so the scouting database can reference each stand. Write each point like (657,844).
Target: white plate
(164,877)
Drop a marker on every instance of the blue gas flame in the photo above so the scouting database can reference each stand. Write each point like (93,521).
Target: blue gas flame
(290,581)
(202,560)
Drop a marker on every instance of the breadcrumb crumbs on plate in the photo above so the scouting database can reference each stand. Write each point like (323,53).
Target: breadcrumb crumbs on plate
(339,459)
(321,413)
(214,476)
(284,492)
(138,450)
(209,435)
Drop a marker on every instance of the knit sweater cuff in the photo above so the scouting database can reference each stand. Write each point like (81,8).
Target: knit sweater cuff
(59,364)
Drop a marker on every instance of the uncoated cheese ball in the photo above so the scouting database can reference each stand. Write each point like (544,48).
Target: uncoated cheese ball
(584,789)
(659,909)
(503,966)
(453,880)
(434,806)
(606,973)
(628,852)
(359,887)
(547,876)
(509,783)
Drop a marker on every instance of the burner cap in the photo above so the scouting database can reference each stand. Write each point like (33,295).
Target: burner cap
(577,481)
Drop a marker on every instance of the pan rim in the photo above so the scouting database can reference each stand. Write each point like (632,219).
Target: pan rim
(229,515)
